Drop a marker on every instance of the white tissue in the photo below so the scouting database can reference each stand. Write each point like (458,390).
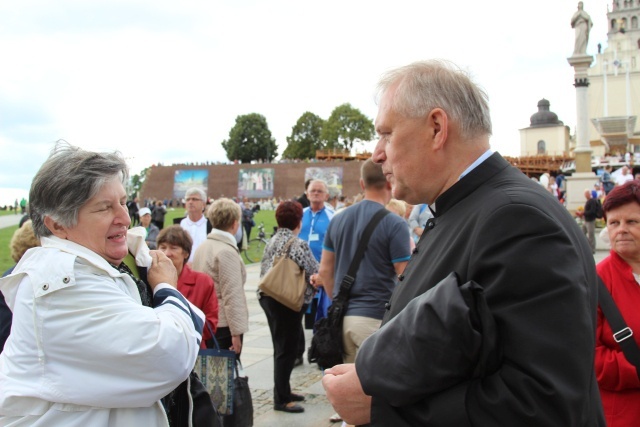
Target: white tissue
(138,247)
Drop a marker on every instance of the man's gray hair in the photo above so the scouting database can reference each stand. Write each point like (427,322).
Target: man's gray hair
(321,181)
(425,85)
(68,179)
(195,190)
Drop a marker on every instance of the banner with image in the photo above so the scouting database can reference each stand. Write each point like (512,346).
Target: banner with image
(331,175)
(255,183)
(189,178)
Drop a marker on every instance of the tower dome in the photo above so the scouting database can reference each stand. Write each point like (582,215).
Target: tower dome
(544,117)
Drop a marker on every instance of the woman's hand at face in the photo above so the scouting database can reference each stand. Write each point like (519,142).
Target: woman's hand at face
(162,270)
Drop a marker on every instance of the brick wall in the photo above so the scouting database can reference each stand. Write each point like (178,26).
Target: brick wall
(223,179)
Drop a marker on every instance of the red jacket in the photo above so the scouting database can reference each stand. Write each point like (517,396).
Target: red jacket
(199,289)
(617,378)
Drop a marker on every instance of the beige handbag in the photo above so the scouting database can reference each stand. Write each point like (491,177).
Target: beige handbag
(285,281)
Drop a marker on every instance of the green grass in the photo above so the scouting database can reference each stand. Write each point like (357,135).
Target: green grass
(171,214)
(254,250)
(6,261)
(268,218)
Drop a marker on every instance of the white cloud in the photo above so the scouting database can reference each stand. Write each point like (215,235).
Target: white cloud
(163,81)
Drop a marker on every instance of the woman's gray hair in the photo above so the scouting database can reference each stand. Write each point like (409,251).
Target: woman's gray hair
(67,180)
(194,190)
(425,85)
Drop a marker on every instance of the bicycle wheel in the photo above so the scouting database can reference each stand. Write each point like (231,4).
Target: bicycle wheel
(255,249)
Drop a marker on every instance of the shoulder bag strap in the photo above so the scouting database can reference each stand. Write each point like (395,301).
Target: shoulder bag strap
(213,343)
(622,334)
(285,251)
(350,277)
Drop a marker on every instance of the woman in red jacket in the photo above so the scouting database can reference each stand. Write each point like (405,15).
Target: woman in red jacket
(198,288)
(620,271)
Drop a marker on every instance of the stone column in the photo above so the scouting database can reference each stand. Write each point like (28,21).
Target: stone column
(583,177)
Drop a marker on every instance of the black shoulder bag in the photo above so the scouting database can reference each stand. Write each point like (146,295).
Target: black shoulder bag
(622,334)
(326,345)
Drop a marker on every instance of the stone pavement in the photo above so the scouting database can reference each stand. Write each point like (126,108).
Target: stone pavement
(9,220)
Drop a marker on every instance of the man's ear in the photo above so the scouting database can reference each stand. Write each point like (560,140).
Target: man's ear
(55,228)
(439,125)
(362,184)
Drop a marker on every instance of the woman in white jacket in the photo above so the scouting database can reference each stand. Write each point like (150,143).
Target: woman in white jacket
(84,350)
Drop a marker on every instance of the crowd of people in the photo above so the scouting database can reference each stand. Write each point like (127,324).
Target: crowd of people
(475,301)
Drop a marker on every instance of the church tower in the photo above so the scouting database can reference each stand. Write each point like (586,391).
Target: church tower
(546,135)
(614,91)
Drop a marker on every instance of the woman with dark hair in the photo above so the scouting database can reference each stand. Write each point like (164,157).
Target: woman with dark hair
(175,242)
(620,272)
(285,324)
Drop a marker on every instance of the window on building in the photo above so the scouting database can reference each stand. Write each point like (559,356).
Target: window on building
(542,147)
(634,22)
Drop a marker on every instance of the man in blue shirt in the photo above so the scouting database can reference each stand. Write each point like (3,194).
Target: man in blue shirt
(315,218)
(315,221)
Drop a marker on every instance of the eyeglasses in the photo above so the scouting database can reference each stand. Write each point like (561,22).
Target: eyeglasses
(193,199)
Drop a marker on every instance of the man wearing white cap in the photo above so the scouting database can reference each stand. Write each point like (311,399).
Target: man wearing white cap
(152,229)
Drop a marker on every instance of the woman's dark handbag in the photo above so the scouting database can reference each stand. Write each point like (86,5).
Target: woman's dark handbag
(189,405)
(326,345)
(242,415)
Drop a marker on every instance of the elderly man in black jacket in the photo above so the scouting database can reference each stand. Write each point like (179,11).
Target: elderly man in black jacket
(493,321)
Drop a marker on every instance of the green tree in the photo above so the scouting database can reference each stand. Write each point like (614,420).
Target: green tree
(345,127)
(250,139)
(305,137)
(136,182)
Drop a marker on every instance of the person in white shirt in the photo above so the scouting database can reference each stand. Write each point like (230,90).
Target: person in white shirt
(195,222)
(624,176)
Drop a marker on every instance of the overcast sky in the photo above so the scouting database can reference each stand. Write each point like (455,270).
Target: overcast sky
(163,81)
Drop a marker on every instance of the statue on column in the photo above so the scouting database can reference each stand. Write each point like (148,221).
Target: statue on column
(581,22)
